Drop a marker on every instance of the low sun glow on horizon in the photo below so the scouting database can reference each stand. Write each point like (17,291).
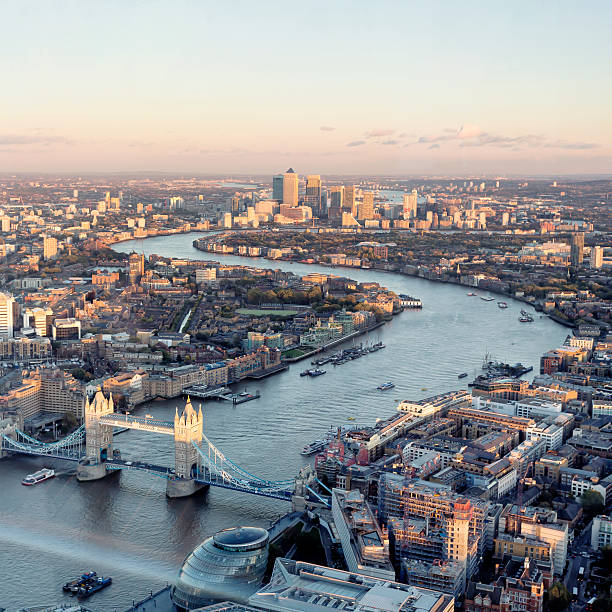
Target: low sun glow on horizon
(333,88)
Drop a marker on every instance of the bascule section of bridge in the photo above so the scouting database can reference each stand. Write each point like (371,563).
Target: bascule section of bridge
(198,463)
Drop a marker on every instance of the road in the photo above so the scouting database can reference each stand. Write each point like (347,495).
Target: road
(579,555)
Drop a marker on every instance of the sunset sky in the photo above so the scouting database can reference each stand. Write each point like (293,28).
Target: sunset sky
(326,87)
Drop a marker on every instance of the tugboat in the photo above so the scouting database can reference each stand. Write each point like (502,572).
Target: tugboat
(40,476)
(386,385)
(73,586)
(93,586)
(317,372)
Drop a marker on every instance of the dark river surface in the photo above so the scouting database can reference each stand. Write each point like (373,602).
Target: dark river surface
(124,526)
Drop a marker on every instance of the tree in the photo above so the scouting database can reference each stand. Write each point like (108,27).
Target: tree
(592,503)
(558,597)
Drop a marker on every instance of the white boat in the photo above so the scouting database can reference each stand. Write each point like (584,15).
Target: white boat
(385,386)
(40,476)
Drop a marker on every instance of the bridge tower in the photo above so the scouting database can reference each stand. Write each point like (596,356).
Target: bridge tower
(99,438)
(188,428)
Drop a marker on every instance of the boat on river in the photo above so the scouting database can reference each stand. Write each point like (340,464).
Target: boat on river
(502,305)
(385,386)
(36,477)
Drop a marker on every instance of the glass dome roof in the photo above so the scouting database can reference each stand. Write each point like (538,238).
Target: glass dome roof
(241,538)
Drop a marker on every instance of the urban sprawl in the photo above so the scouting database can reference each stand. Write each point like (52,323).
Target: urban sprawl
(493,498)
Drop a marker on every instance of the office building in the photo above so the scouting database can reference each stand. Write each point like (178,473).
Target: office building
(296,585)
(458,521)
(443,576)
(43,392)
(366,209)
(597,257)
(290,188)
(277,188)
(38,319)
(136,267)
(410,204)
(601,532)
(365,548)
(576,249)
(436,405)
(337,197)
(49,248)
(350,202)
(313,194)
(66,329)
(229,565)
(7,314)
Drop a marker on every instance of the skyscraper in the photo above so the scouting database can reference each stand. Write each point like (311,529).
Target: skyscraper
(337,196)
(576,249)
(7,309)
(596,257)
(290,188)
(277,187)
(349,200)
(313,193)
(366,210)
(136,263)
(410,204)
(49,247)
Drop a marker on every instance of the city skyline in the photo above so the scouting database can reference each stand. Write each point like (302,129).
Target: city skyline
(401,90)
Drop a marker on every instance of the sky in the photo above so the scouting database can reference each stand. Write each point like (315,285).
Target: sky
(328,87)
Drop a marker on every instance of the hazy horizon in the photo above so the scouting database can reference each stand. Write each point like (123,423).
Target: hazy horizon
(342,88)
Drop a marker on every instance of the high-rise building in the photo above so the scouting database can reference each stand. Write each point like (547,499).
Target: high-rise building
(337,197)
(313,193)
(454,525)
(576,249)
(38,319)
(366,209)
(596,257)
(410,204)
(277,187)
(350,205)
(136,267)
(7,310)
(5,223)
(49,247)
(290,188)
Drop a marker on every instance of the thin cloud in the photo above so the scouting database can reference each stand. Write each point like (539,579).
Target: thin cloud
(356,143)
(33,139)
(473,136)
(434,146)
(390,142)
(379,133)
(327,128)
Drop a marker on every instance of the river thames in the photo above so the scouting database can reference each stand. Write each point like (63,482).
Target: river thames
(125,527)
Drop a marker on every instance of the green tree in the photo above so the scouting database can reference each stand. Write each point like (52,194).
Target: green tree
(558,597)
(592,503)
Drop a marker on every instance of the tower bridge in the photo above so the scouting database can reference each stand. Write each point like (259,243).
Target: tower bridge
(198,463)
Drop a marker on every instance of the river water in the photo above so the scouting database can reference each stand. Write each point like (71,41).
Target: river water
(125,527)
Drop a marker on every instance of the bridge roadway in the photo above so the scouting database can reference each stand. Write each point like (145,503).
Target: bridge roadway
(145,423)
(121,464)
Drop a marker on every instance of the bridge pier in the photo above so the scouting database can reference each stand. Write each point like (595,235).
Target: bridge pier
(183,487)
(88,470)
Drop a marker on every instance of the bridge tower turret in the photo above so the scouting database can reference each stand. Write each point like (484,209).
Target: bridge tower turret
(188,428)
(99,438)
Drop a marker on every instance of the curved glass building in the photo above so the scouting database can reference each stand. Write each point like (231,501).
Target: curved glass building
(229,565)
